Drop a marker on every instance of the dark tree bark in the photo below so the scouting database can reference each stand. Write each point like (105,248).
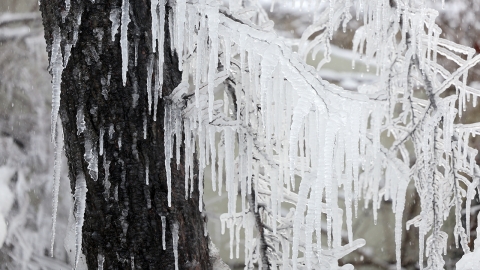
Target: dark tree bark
(123,215)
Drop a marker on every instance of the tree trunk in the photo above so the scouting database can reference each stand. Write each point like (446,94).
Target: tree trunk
(123,216)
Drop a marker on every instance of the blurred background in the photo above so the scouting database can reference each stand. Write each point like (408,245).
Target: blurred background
(26,153)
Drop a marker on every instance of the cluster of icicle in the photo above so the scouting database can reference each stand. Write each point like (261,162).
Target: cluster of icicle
(58,61)
(276,126)
(444,170)
(290,144)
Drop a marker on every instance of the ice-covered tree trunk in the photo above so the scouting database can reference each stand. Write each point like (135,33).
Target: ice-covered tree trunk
(113,142)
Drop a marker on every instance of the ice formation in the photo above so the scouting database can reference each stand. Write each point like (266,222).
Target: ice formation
(315,131)
(80,203)
(56,182)
(164,224)
(175,243)
(290,139)
(125,20)
(56,64)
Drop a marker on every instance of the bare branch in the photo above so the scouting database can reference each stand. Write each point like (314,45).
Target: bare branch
(9,18)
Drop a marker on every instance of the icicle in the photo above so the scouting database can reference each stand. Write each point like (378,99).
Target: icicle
(187,130)
(56,182)
(66,11)
(124,38)
(146,171)
(154,18)
(106,183)
(159,64)
(175,243)
(144,127)
(200,57)
(56,64)
(298,221)
(330,188)
(100,140)
(164,225)
(213,21)
(179,31)
(400,206)
(168,146)
(229,169)
(201,146)
(80,201)
(178,136)
(101,261)
(158,86)
(221,156)
(213,154)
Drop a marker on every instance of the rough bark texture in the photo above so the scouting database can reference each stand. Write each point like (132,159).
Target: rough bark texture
(119,222)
